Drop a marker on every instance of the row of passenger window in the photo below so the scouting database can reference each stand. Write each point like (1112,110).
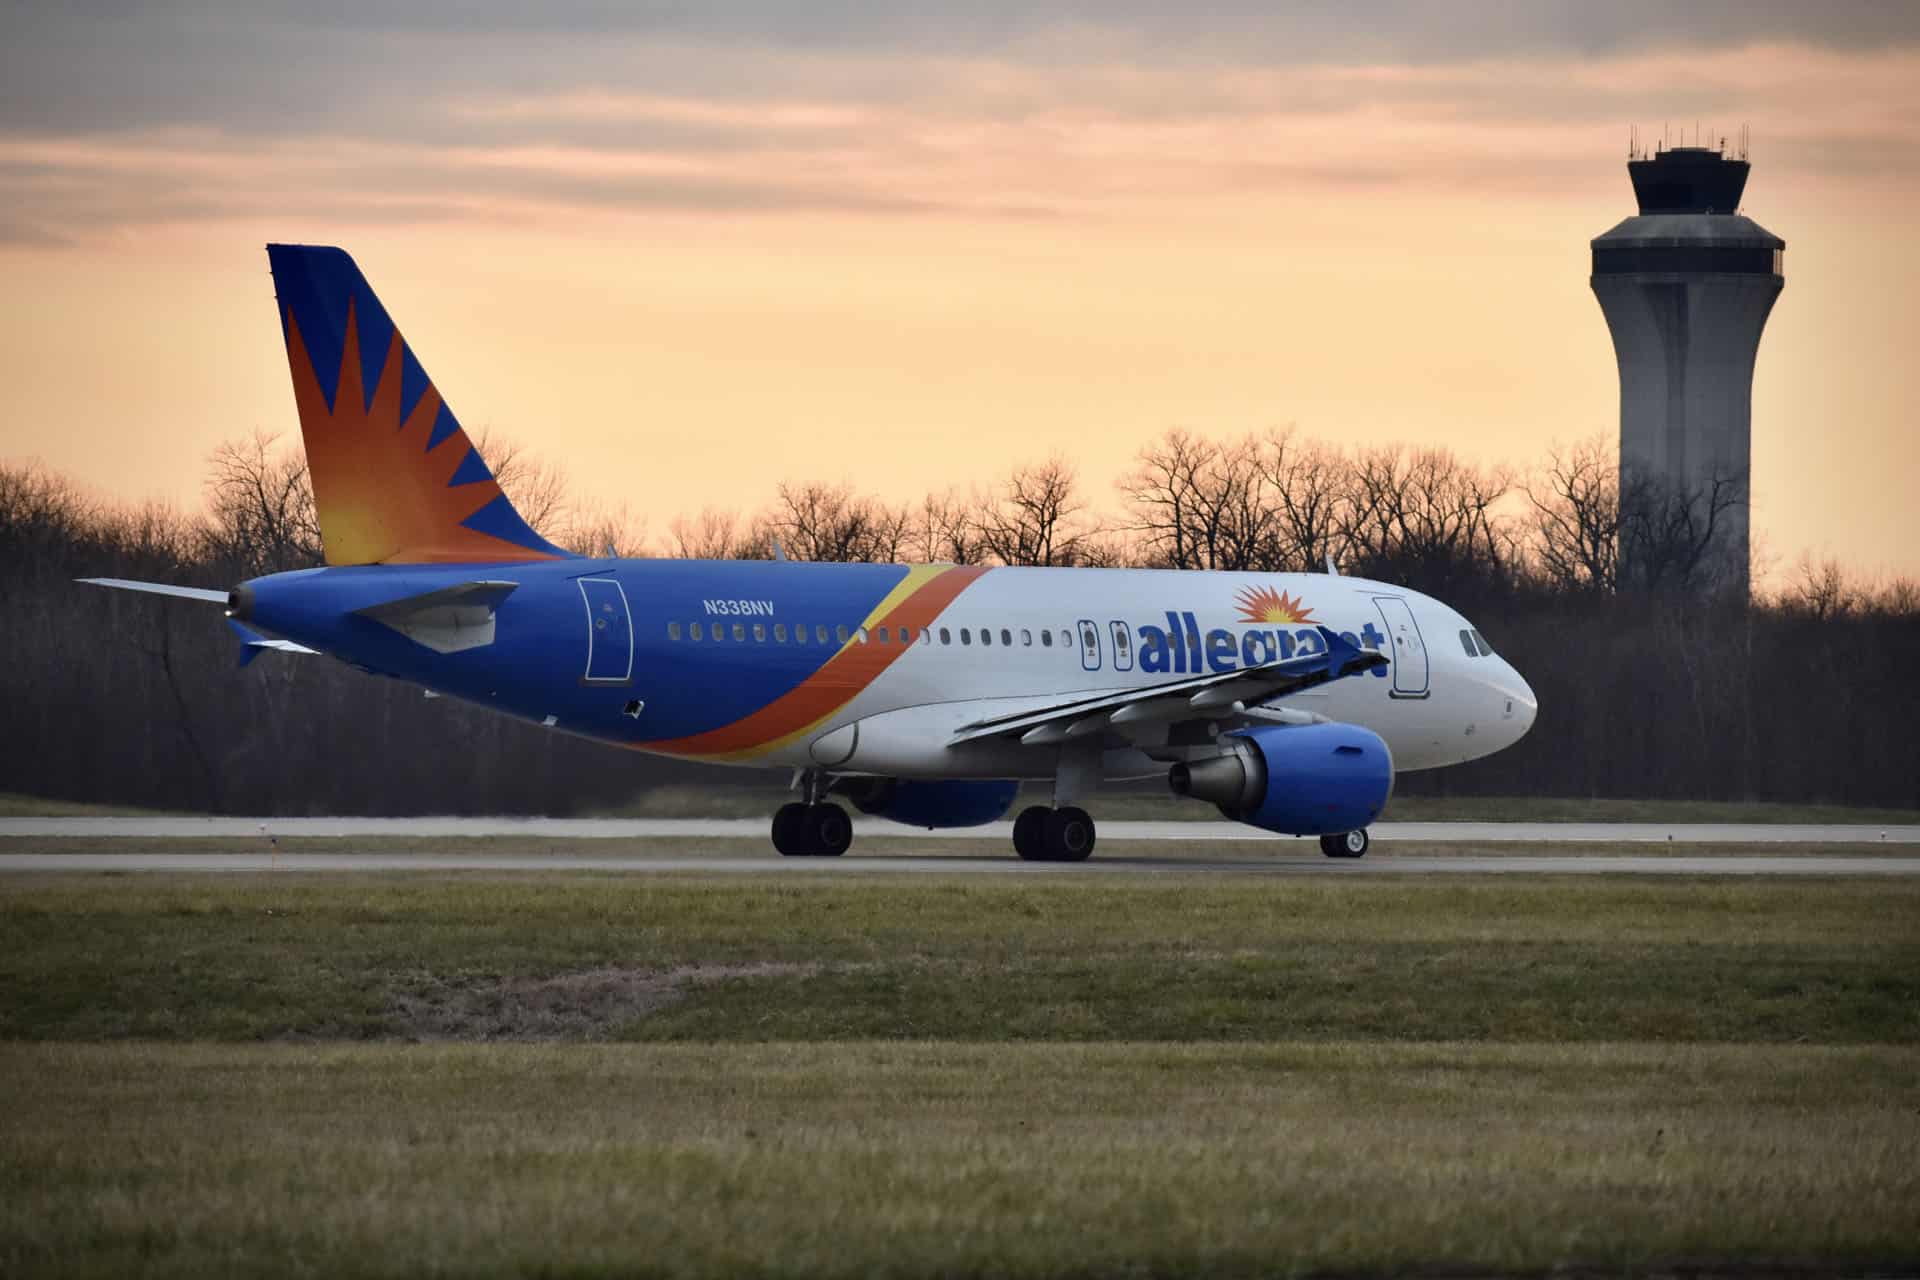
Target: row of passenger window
(819,634)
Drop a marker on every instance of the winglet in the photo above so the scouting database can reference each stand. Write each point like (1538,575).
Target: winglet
(1345,658)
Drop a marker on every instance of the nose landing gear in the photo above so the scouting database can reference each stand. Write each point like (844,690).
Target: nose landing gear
(1345,844)
(1041,834)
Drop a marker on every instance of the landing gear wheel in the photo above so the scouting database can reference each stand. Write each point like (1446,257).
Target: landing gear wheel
(789,830)
(1030,833)
(829,830)
(1069,835)
(1345,844)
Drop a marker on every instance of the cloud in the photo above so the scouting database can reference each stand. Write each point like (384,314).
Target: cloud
(243,65)
(755,133)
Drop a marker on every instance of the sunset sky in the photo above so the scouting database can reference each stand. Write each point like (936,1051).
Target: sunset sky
(687,251)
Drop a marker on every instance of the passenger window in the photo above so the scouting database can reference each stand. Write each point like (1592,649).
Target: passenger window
(986,635)
(840,633)
(697,632)
(1066,638)
(780,632)
(740,631)
(1046,639)
(946,636)
(1006,637)
(760,632)
(860,634)
(966,636)
(1026,637)
(1466,642)
(673,631)
(885,636)
(926,635)
(820,634)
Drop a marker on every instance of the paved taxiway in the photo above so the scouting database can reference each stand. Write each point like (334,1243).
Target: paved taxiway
(1123,864)
(998,832)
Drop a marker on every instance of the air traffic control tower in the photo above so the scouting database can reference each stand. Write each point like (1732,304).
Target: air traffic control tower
(1686,286)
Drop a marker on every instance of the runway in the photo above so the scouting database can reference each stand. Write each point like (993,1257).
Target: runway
(1123,864)
(1000,833)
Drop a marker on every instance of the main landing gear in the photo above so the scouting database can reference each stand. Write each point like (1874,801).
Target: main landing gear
(1041,834)
(818,830)
(1345,844)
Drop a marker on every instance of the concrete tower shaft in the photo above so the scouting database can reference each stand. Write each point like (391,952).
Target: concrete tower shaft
(1686,286)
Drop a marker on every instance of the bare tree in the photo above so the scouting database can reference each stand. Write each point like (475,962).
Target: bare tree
(831,522)
(714,534)
(1197,504)
(1311,493)
(593,530)
(1576,518)
(1425,517)
(537,488)
(945,530)
(260,507)
(1034,518)
(1671,535)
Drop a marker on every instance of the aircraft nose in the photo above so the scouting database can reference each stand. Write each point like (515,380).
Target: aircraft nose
(1524,705)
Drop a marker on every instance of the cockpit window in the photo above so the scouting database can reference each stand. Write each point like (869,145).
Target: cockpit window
(1466,642)
(1486,650)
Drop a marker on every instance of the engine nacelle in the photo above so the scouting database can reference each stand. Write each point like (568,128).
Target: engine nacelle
(916,803)
(1301,781)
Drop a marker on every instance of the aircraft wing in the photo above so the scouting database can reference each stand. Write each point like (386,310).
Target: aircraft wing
(159,589)
(1219,695)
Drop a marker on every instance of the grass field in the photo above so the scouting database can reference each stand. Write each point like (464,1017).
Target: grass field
(924,1159)
(592,1074)
(1127,959)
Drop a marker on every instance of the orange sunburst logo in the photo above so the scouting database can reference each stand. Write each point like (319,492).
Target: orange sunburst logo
(1264,604)
(379,492)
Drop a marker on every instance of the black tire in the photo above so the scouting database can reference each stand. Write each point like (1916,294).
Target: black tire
(1030,833)
(1070,835)
(829,830)
(1346,844)
(789,830)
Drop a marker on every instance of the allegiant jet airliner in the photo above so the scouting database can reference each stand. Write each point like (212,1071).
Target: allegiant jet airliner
(923,693)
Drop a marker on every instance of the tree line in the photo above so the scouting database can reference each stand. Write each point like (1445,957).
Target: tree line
(1656,679)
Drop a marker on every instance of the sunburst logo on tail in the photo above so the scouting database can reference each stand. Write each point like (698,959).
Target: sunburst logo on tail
(1264,604)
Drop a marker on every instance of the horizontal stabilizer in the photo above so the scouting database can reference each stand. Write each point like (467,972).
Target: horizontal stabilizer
(159,589)
(252,643)
(450,620)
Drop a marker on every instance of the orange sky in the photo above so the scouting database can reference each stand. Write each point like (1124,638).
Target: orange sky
(716,264)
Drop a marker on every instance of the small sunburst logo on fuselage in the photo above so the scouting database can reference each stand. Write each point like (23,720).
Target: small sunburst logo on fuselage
(1264,604)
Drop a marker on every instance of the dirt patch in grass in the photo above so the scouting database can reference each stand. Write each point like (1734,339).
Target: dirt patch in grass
(591,1005)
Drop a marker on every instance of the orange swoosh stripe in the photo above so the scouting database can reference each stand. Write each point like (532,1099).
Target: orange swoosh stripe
(914,603)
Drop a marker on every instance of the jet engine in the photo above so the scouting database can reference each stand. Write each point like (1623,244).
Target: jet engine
(1299,780)
(917,803)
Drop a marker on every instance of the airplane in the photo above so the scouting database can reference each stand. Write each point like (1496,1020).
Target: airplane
(924,694)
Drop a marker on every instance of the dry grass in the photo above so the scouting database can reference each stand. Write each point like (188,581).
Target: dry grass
(928,1158)
(1170,957)
(567,1006)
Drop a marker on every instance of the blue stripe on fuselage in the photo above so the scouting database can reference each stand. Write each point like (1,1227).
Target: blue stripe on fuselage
(540,648)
